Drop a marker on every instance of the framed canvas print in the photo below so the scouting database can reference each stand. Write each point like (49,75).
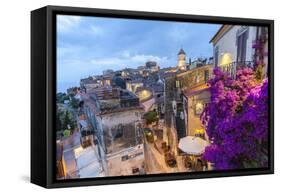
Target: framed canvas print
(125,96)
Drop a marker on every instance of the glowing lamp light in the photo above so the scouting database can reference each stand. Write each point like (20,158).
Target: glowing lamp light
(144,94)
(199,131)
(78,151)
(199,108)
(226,59)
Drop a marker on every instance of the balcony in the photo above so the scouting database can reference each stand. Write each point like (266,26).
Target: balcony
(231,68)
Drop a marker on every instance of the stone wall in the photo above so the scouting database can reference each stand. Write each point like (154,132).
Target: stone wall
(195,77)
(194,121)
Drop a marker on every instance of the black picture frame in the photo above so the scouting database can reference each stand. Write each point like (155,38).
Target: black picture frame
(43,90)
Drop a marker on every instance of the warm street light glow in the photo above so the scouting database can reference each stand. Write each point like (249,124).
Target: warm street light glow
(144,94)
(199,108)
(226,59)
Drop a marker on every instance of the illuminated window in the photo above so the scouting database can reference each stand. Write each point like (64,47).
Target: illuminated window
(197,79)
(177,84)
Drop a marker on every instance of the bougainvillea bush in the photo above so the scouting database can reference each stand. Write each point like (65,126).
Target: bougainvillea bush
(236,120)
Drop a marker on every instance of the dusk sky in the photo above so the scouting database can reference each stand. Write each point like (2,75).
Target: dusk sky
(88,45)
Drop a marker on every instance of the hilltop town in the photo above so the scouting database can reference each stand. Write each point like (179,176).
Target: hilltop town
(146,120)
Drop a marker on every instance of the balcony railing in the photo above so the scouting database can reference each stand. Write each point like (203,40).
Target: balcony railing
(231,68)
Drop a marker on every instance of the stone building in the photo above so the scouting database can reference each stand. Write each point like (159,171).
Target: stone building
(151,66)
(133,85)
(181,60)
(195,91)
(90,83)
(185,94)
(170,97)
(115,115)
(60,163)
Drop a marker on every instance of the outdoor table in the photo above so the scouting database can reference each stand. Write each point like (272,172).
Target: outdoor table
(193,146)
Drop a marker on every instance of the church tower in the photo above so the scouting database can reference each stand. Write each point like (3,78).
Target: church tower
(181,60)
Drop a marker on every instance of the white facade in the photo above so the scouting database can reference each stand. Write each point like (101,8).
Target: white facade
(87,162)
(227,43)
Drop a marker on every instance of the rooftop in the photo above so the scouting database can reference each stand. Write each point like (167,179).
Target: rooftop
(150,64)
(181,52)
(196,90)
(108,100)
(222,30)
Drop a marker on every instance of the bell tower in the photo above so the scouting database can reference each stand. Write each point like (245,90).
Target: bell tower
(181,60)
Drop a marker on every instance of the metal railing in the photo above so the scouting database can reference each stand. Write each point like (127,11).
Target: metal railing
(231,68)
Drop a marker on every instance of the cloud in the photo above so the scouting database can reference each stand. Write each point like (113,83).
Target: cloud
(74,64)
(70,71)
(64,23)
(180,33)
(128,60)
(89,45)
(144,58)
(96,30)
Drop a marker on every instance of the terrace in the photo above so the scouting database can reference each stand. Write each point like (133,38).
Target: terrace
(108,100)
(232,67)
